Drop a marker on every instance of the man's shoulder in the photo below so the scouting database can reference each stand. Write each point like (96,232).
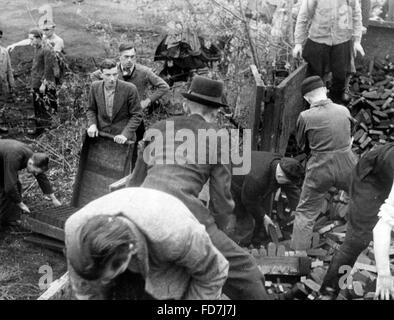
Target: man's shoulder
(143,69)
(127,86)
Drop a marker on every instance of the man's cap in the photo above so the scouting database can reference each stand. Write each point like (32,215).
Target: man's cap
(206,91)
(310,84)
(36,32)
(293,169)
(48,25)
(126,46)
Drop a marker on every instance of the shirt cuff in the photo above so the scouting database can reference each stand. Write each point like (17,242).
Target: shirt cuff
(386,213)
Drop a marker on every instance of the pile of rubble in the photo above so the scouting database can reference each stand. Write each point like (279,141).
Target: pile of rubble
(283,269)
(373,104)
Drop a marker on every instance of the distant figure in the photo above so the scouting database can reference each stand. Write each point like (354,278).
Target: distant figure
(43,81)
(114,105)
(7,83)
(49,36)
(149,235)
(16,156)
(323,37)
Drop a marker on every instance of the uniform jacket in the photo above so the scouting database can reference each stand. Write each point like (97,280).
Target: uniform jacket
(44,65)
(332,22)
(6,72)
(13,157)
(186,180)
(175,254)
(257,186)
(127,112)
(142,77)
(372,180)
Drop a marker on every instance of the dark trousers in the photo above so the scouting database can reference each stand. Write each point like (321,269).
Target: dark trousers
(244,281)
(9,211)
(43,106)
(347,254)
(322,59)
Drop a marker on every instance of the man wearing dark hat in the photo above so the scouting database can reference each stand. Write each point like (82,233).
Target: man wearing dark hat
(183,174)
(269,171)
(43,80)
(325,130)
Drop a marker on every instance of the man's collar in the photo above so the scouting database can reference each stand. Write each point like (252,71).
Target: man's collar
(321,103)
(127,72)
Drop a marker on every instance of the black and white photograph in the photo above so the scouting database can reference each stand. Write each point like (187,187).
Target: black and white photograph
(219,151)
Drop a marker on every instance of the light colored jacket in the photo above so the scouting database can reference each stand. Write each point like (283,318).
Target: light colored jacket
(6,72)
(332,22)
(179,260)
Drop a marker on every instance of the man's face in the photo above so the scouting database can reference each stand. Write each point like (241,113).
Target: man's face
(34,41)
(115,267)
(31,168)
(48,32)
(281,177)
(110,76)
(128,58)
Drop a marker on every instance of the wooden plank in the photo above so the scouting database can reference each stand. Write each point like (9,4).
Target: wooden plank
(256,108)
(42,228)
(58,290)
(47,243)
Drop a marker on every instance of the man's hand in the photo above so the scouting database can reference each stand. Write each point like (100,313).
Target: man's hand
(10,48)
(358,48)
(364,30)
(231,223)
(24,207)
(384,287)
(93,131)
(42,88)
(145,103)
(55,201)
(121,139)
(268,222)
(297,51)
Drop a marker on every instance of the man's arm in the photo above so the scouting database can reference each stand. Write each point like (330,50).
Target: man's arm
(161,87)
(207,267)
(304,17)
(382,240)
(135,113)
(221,202)
(301,134)
(91,113)
(357,21)
(10,73)
(24,42)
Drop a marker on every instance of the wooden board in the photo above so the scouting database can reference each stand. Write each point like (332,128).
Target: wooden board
(58,290)
(102,162)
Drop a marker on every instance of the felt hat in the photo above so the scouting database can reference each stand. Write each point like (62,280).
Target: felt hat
(206,91)
(310,84)
(292,169)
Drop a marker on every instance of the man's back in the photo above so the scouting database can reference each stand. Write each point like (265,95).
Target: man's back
(326,126)
(186,180)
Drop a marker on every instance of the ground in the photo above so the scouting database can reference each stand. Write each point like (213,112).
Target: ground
(81,28)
